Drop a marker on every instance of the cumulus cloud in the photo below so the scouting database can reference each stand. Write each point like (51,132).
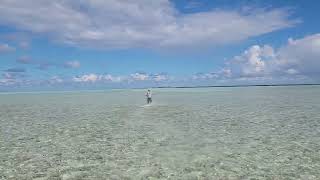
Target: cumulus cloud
(92,77)
(13,76)
(111,78)
(160,77)
(5,48)
(55,79)
(252,62)
(86,78)
(298,58)
(8,75)
(140,76)
(135,77)
(72,64)
(141,23)
(6,82)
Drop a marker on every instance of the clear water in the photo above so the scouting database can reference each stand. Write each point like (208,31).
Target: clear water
(208,133)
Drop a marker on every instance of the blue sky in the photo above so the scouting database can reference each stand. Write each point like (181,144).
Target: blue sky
(98,44)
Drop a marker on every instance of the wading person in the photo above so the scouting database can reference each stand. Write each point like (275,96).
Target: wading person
(148,95)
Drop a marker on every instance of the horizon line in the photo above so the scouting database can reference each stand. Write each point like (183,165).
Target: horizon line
(157,87)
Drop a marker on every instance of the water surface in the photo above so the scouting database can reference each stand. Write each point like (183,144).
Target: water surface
(203,133)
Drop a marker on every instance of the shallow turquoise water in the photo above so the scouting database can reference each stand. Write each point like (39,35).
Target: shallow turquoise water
(205,133)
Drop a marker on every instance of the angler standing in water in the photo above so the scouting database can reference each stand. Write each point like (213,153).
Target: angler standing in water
(148,95)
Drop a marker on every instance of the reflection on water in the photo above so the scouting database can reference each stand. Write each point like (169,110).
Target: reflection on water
(226,133)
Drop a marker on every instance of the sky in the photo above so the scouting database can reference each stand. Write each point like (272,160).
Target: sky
(97,44)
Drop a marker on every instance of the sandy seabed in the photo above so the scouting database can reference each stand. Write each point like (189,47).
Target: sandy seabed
(205,133)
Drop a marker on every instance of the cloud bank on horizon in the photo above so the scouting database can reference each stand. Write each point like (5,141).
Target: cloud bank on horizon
(299,61)
(116,25)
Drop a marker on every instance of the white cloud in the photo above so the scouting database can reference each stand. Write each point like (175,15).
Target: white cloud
(8,75)
(299,58)
(292,71)
(6,82)
(98,78)
(72,64)
(140,76)
(5,48)
(12,77)
(86,78)
(135,77)
(55,79)
(160,77)
(140,23)
(252,62)
(226,72)
(111,78)
(301,55)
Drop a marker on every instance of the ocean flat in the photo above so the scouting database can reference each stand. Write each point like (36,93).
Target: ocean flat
(200,133)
